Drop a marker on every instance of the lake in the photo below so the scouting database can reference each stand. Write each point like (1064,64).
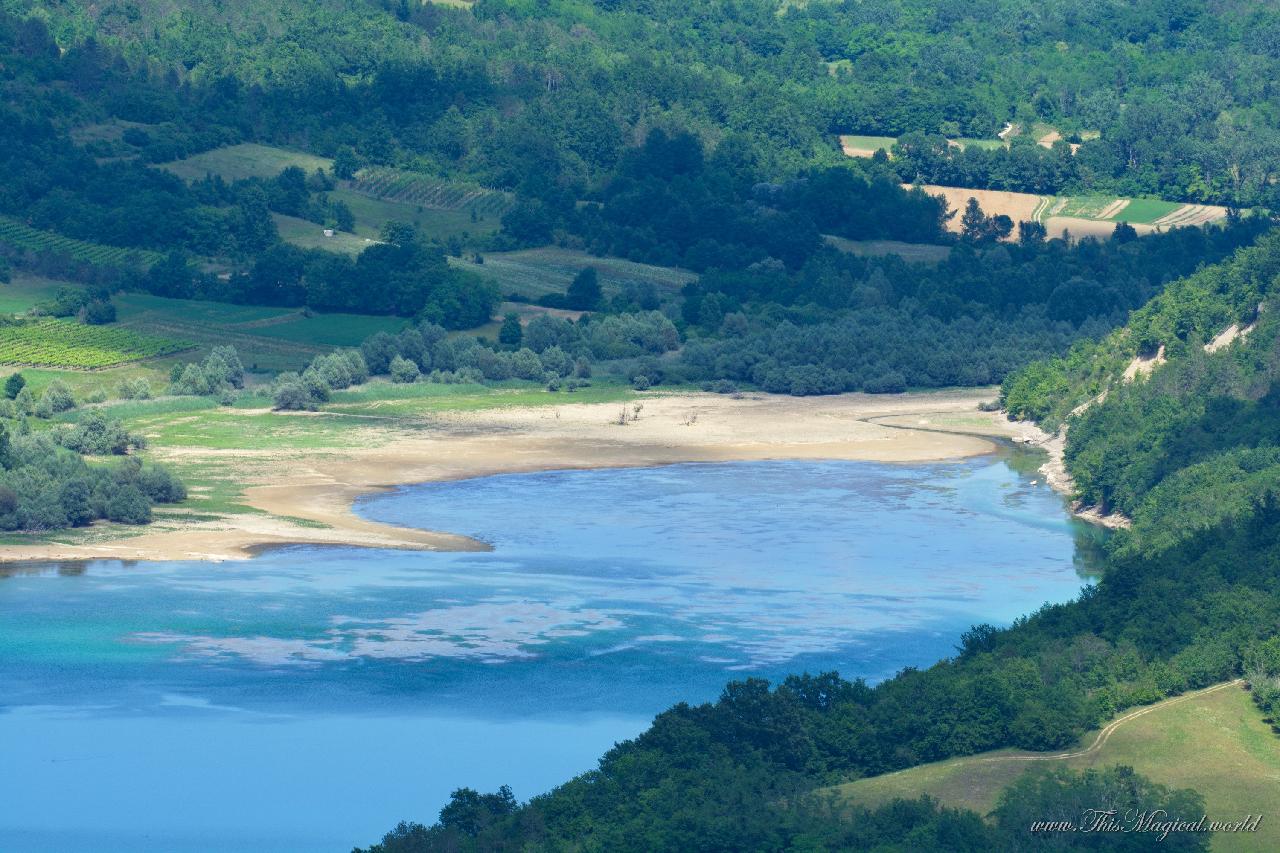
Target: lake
(310,698)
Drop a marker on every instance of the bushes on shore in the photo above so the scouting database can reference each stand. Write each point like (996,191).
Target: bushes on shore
(45,486)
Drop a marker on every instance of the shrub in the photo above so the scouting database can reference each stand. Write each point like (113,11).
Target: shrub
(403,370)
(15,383)
(556,361)
(56,398)
(378,350)
(526,364)
(129,506)
(98,312)
(291,395)
(135,389)
(191,382)
(25,401)
(161,485)
(99,435)
(356,366)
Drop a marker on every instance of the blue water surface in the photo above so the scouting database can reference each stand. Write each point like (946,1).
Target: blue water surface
(310,698)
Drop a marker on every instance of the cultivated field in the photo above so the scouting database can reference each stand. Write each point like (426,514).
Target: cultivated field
(19,235)
(267,338)
(865,146)
(310,235)
(439,209)
(1214,742)
(66,343)
(422,190)
(248,160)
(530,273)
(1080,216)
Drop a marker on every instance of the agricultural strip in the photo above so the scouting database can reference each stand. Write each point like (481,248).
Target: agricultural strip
(267,338)
(64,343)
(22,236)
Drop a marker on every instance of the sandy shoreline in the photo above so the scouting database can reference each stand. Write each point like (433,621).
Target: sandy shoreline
(306,497)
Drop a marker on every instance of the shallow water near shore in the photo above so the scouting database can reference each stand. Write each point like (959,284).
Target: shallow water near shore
(310,698)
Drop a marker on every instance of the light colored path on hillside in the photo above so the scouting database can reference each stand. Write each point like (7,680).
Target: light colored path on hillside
(1101,739)
(1214,741)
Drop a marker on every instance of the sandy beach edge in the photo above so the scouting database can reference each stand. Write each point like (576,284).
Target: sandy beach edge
(310,499)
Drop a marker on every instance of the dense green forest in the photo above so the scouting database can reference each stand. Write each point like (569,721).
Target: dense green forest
(548,94)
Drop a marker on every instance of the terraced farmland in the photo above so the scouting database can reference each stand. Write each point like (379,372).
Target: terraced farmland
(22,236)
(64,343)
(412,188)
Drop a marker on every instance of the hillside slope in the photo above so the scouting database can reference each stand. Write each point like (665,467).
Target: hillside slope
(1174,419)
(1240,770)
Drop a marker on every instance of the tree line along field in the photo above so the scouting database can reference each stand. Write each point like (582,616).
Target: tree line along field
(21,236)
(66,343)
(1214,742)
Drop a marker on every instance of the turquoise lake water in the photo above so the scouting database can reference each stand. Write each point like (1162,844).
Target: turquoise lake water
(310,698)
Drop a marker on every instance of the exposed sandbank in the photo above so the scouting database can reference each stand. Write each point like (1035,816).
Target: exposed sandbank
(305,496)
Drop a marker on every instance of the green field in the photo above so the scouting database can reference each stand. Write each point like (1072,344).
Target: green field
(925,253)
(330,330)
(1146,210)
(248,160)
(268,339)
(309,235)
(530,273)
(1216,743)
(22,236)
(868,143)
(988,144)
(371,213)
(27,291)
(1081,207)
(66,343)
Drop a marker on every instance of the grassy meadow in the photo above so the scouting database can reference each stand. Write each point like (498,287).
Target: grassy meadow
(1216,743)
(249,160)
(530,273)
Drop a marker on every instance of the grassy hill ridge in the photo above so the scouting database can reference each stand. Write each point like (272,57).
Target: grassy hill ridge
(1236,764)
